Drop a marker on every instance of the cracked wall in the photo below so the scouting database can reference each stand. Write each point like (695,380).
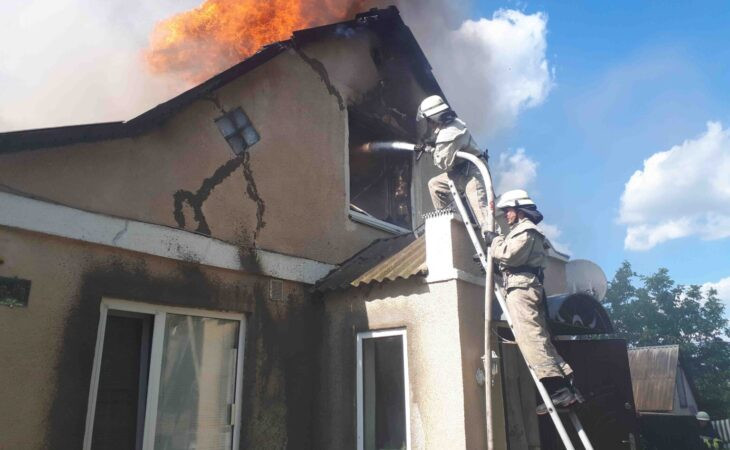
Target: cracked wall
(287,192)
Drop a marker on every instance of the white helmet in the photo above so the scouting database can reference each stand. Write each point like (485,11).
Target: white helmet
(703,416)
(430,106)
(514,198)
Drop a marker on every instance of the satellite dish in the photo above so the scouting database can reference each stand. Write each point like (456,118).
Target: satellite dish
(585,276)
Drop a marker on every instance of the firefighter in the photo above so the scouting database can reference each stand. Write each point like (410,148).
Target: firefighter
(708,435)
(442,134)
(521,254)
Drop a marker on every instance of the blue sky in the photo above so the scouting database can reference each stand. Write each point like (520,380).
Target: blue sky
(630,80)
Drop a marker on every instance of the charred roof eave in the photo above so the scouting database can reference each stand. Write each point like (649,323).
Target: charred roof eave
(386,22)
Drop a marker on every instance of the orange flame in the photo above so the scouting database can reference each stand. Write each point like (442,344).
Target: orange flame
(200,43)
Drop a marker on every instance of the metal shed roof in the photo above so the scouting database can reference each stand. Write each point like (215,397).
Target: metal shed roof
(385,259)
(654,377)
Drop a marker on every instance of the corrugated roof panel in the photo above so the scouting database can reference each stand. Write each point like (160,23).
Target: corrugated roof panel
(654,377)
(407,262)
(385,259)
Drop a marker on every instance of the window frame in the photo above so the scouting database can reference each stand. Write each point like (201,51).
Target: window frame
(159,314)
(239,131)
(357,216)
(415,193)
(374,334)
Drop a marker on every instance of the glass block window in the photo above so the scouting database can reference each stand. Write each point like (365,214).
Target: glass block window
(238,130)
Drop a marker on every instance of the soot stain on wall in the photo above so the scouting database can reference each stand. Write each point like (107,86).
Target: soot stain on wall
(188,287)
(197,199)
(280,363)
(279,383)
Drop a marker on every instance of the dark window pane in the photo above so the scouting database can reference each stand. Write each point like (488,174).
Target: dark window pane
(380,183)
(384,393)
(122,393)
(237,144)
(250,135)
(240,119)
(225,126)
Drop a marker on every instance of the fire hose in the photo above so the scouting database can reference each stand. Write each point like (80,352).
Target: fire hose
(376,147)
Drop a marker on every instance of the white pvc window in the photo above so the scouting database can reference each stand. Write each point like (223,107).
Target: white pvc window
(382,391)
(165,378)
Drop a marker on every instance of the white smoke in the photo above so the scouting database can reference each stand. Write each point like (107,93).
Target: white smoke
(491,69)
(515,170)
(77,61)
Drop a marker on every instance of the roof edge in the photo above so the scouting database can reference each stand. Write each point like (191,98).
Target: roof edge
(41,138)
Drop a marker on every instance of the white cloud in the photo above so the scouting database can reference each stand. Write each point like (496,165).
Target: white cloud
(553,233)
(493,69)
(515,170)
(723,291)
(684,191)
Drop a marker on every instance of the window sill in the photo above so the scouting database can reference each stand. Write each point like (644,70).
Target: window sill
(377,223)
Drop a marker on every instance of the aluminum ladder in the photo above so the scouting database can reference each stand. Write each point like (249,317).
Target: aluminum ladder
(486,261)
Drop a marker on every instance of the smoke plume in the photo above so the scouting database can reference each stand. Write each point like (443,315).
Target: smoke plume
(82,61)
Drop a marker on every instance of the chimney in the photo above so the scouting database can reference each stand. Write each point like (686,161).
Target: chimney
(448,249)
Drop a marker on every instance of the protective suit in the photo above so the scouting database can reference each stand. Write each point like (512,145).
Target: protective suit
(446,134)
(521,255)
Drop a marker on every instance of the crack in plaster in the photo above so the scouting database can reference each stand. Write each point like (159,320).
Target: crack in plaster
(121,233)
(320,69)
(197,199)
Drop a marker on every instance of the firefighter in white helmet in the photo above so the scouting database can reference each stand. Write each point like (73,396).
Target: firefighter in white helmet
(521,256)
(708,435)
(443,134)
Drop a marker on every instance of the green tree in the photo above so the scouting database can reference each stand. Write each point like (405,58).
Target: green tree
(653,310)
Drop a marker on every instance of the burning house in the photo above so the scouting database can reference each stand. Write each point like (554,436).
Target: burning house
(186,279)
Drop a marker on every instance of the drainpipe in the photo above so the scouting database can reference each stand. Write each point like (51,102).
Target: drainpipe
(488,297)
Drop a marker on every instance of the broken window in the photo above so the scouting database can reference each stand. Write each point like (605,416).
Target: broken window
(166,378)
(380,183)
(238,130)
(382,383)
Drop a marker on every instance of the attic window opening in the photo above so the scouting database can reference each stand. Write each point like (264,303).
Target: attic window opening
(380,183)
(238,131)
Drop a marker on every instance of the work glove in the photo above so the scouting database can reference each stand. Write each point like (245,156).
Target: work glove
(489,236)
(422,148)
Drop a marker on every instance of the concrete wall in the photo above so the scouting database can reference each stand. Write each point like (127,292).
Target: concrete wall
(288,193)
(47,348)
(445,329)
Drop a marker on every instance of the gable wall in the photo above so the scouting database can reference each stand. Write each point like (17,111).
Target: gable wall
(289,194)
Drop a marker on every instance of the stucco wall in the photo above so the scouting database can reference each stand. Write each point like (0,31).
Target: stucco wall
(47,348)
(444,323)
(289,192)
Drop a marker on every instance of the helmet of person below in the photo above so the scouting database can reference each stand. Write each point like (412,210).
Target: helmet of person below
(432,105)
(703,416)
(514,199)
